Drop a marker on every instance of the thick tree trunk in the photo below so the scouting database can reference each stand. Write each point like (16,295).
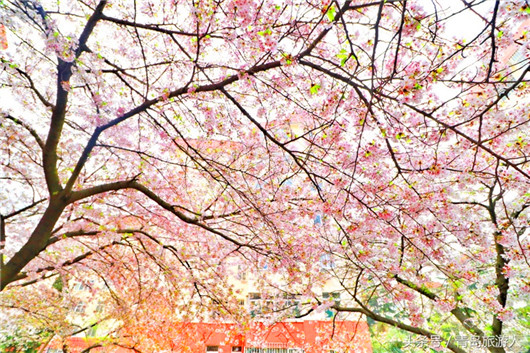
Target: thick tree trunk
(37,241)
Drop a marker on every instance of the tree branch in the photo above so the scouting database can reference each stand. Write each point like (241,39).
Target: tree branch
(28,128)
(133,184)
(64,72)
(400,325)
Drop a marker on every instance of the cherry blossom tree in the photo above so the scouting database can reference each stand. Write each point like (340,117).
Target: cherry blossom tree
(155,144)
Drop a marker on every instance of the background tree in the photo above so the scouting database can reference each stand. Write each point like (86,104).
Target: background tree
(152,143)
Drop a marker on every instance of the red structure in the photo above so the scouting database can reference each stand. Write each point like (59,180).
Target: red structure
(282,337)
(3,37)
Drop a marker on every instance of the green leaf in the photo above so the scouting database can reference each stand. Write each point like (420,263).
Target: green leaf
(267,31)
(314,89)
(344,56)
(58,284)
(331,13)
(499,35)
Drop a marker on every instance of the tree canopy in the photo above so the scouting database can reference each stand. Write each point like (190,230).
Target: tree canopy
(155,145)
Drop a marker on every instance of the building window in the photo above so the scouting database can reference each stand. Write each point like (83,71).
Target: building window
(335,296)
(255,308)
(212,348)
(293,305)
(241,273)
(517,58)
(326,262)
(254,303)
(80,307)
(83,286)
(254,296)
(92,332)
(80,286)
(259,306)
(267,307)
